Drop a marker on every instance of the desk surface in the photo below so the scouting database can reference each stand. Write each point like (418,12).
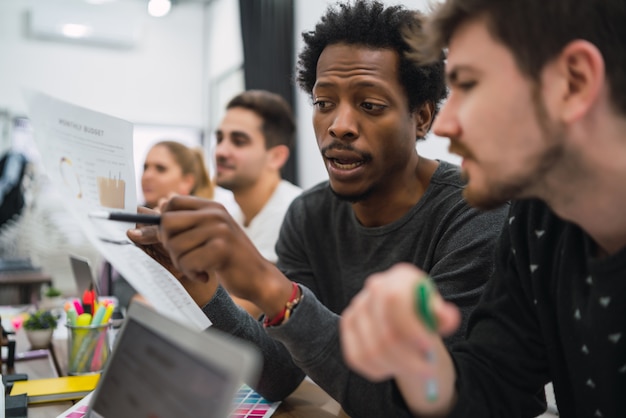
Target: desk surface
(308,400)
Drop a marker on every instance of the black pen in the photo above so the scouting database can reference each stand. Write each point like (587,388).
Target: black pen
(137,218)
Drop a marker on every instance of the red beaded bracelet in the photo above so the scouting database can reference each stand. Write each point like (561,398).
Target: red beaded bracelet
(286,312)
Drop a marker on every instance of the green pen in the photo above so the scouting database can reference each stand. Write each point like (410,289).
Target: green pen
(423,307)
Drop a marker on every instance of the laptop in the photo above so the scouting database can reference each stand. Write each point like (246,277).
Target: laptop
(83,275)
(160,368)
(84,279)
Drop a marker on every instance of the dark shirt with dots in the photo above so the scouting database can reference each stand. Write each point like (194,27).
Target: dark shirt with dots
(553,311)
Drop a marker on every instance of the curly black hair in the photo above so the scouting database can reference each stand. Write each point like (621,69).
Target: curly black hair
(371,24)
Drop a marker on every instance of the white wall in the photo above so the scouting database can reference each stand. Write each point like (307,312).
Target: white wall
(157,82)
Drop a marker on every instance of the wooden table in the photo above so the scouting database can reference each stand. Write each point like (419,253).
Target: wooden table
(307,401)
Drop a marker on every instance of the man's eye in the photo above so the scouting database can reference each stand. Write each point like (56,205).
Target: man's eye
(373,106)
(321,104)
(466,85)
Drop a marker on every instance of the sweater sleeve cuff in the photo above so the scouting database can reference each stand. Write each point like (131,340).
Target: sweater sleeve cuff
(223,312)
(308,327)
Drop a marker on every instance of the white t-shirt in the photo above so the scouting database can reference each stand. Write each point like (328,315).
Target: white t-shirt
(265,226)
(226,198)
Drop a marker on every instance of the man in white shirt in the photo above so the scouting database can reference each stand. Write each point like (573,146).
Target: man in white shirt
(253,144)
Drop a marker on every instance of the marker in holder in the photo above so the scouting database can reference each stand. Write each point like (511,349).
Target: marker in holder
(88,348)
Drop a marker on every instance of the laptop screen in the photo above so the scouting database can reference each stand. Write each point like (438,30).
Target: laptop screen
(161,369)
(152,378)
(83,276)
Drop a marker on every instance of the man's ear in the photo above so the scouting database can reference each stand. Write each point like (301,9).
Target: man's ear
(424,119)
(278,156)
(581,67)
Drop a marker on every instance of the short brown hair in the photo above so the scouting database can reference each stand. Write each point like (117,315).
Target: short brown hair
(279,127)
(536,31)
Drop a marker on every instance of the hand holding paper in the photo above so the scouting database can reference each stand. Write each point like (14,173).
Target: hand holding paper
(96,155)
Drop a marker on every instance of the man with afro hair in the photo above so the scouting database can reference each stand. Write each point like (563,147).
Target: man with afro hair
(383,204)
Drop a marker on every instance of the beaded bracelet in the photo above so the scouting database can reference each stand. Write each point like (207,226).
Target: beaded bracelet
(286,312)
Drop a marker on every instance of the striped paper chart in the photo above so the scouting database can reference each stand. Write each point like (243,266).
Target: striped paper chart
(247,404)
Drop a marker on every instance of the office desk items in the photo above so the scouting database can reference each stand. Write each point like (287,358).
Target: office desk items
(423,307)
(136,218)
(98,316)
(32,354)
(15,406)
(56,388)
(83,276)
(7,340)
(79,409)
(71,315)
(160,367)
(23,356)
(108,313)
(88,348)
(88,302)
(9,379)
(83,320)
(247,404)
(88,157)
(78,307)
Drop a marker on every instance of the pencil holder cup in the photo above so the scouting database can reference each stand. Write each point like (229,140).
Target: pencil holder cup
(88,348)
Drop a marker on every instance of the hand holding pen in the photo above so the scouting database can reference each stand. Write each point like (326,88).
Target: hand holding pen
(146,235)
(136,218)
(203,241)
(391,330)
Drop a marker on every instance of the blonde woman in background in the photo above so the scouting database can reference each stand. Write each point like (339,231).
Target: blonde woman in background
(173,168)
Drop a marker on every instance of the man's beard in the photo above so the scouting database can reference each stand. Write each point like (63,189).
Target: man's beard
(365,157)
(352,198)
(499,192)
(233,184)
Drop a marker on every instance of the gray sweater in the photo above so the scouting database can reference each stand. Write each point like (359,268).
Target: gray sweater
(323,247)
